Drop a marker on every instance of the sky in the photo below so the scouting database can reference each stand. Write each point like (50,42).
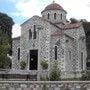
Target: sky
(21,10)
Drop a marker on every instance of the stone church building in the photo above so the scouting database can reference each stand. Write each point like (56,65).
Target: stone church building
(51,38)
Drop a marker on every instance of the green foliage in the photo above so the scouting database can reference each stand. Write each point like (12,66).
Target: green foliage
(44,64)
(84,76)
(4,49)
(86,26)
(55,72)
(8,63)
(23,64)
(73,20)
(6,23)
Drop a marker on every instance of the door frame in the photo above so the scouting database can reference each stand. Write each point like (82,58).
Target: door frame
(30,57)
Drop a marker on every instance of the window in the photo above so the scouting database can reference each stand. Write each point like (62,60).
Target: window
(69,54)
(54,15)
(48,15)
(18,53)
(55,52)
(34,33)
(82,60)
(61,16)
(67,41)
(30,34)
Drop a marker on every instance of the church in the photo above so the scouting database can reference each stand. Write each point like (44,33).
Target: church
(51,38)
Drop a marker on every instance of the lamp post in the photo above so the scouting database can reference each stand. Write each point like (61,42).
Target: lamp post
(39,28)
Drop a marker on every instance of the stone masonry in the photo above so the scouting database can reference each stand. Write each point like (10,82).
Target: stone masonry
(55,40)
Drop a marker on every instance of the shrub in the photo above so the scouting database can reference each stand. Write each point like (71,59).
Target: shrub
(55,73)
(23,64)
(44,64)
(84,77)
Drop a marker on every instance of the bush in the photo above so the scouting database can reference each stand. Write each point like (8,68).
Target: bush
(23,64)
(84,77)
(55,73)
(8,63)
(44,64)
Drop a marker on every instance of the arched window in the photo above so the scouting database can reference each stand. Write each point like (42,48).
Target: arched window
(18,53)
(48,15)
(55,52)
(55,15)
(61,16)
(69,54)
(82,60)
(34,33)
(30,34)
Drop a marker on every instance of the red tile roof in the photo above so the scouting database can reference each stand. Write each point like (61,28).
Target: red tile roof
(66,27)
(53,6)
(69,26)
(72,26)
(57,33)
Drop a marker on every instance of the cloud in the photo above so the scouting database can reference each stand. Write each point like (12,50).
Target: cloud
(15,1)
(28,8)
(16,31)
(15,14)
(78,9)
(88,4)
(75,8)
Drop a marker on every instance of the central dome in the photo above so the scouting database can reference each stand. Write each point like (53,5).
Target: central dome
(53,6)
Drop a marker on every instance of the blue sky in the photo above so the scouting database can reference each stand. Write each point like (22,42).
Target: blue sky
(19,13)
(21,10)
(9,7)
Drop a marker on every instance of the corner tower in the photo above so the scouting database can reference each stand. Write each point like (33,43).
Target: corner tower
(54,13)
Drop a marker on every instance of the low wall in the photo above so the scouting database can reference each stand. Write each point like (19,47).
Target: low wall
(44,85)
(35,74)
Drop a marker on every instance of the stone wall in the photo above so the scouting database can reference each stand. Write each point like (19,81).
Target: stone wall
(70,41)
(43,41)
(15,46)
(59,17)
(44,85)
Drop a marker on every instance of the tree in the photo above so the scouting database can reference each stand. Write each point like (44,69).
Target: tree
(6,23)
(4,49)
(86,26)
(73,20)
(55,72)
